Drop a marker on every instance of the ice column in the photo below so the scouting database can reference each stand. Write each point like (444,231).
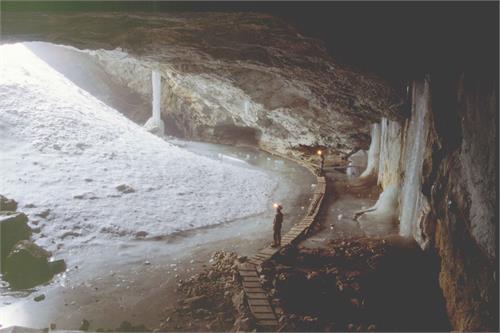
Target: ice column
(155,124)
(413,204)
(373,153)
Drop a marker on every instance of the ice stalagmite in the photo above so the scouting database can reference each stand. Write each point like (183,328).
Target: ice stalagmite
(155,124)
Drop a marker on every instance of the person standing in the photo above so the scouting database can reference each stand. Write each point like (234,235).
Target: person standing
(277,223)
(322,161)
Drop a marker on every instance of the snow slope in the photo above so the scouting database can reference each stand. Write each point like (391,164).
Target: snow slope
(64,150)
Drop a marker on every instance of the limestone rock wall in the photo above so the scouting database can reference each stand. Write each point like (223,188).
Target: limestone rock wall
(463,199)
(227,75)
(442,162)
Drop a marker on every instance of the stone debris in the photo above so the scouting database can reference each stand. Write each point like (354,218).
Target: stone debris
(27,265)
(211,300)
(43,214)
(141,234)
(7,204)
(84,325)
(124,188)
(13,228)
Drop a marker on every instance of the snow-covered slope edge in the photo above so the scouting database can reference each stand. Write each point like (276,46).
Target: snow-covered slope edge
(65,151)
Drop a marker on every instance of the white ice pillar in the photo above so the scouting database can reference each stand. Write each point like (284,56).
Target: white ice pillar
(155,124)
(156,82)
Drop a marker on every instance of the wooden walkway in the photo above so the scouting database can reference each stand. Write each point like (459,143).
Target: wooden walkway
(256,297)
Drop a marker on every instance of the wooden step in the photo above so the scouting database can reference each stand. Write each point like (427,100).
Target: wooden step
(268,250)
(260,316)
(256,262)
(256,295)
(246,267)
(261,309)
(248,273)
(254,289)
(251,284)
(258,302)
(251,279)
(267,322)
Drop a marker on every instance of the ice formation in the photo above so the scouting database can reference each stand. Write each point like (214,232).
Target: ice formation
(396,158)
(66,152)
(373,153)
(385,208)
(155,123)
(412,201)
(357,162)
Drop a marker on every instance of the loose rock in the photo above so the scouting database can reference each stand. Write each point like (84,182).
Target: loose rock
(13,228)
(7,204)
(124,188)
(27,265)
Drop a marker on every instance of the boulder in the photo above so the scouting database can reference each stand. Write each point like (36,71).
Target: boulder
(197,301)
(124,188)
(7,204)
(13,228)
(27,265)
(84,325)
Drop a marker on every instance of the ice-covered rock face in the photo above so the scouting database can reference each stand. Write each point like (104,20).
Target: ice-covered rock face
(441,164)
(228,75)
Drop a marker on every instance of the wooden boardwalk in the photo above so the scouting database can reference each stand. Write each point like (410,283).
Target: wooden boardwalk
(257,299)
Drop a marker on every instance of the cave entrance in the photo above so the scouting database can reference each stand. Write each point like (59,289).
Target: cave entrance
(81,68)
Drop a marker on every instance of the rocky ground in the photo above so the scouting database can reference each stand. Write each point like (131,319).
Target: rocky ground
(356,285)
(212,300)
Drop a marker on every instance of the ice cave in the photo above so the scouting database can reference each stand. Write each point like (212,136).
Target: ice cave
(249,166)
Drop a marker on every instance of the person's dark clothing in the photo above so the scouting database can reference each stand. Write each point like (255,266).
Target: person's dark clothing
(322,164)
(277,223)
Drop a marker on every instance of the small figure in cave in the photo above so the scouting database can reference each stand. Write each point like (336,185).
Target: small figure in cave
(277,223)
(322,162)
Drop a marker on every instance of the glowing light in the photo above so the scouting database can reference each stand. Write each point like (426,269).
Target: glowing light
(319,152)
(275,205)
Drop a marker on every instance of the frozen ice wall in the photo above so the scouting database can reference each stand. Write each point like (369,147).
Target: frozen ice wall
(412,202)
(396,158)
(390,153)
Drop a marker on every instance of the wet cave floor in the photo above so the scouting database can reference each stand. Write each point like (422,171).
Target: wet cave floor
(352,276)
